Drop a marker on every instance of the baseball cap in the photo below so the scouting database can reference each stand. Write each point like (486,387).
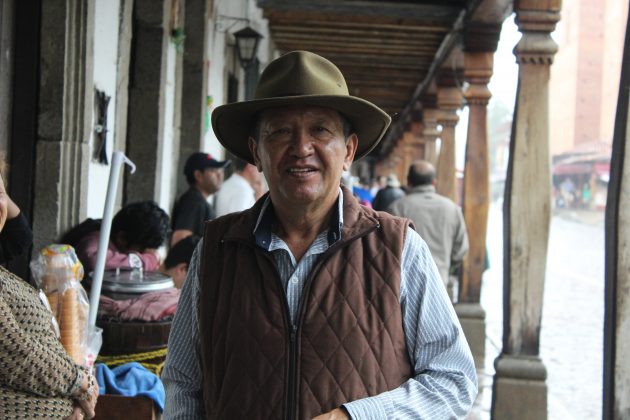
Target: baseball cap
(200,161)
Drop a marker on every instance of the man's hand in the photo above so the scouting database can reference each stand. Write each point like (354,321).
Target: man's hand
(336,414)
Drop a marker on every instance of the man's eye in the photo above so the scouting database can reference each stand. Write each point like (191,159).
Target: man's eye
(281,131)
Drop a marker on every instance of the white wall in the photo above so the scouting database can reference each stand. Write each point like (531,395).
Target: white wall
(167,162)
(222,57)
(106,29)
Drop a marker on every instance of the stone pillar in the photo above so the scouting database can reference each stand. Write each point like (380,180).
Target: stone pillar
(194,84)
(520,391)
(66,100)
(475,201)
(146,102)
(449,101)
(617,295)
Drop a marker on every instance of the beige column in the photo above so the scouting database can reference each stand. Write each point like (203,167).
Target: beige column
(477,72)
(520,391)
(617,311)
(449,101)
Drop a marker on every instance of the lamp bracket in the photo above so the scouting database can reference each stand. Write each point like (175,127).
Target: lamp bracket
(225,23)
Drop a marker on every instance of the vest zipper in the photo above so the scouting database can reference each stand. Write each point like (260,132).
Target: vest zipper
(292,373)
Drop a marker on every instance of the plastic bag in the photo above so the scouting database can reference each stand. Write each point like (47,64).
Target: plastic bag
(58,271)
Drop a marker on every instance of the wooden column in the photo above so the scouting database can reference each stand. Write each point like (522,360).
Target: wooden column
(617,310)
(520,391)
(475,201)
(430,134)
(449,101)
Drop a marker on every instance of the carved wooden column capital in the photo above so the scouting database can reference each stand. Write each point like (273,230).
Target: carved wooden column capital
(536,19)
(477,72)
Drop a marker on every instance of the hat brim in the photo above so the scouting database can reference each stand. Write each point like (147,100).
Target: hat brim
(232,123)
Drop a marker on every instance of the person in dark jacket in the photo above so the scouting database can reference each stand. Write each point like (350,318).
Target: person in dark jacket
(389,194)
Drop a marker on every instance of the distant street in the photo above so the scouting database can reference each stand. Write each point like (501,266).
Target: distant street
(573,311)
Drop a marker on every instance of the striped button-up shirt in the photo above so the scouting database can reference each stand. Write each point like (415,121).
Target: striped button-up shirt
(445,381)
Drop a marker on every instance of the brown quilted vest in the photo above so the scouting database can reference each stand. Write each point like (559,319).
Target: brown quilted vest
(349,343)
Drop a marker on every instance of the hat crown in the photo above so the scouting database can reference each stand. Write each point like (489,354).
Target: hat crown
(300,73)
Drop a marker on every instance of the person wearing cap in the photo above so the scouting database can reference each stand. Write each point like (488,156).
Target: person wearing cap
(386,196)
(438,220)
(309,305)
(204,175)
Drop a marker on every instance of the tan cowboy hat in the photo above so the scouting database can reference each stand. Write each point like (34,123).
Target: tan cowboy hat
(299,78)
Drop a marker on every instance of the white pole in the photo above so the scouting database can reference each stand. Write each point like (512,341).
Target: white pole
(118,158)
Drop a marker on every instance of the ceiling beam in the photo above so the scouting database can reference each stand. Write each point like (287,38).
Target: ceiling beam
(364,11)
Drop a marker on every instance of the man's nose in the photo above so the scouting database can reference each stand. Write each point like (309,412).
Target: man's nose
(302,144)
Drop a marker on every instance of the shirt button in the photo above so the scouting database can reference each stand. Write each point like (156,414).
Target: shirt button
(294,279)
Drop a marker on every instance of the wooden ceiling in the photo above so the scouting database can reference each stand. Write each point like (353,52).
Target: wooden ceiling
(389,51)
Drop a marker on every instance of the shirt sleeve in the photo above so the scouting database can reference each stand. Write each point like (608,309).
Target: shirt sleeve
(182,375)
(445,381)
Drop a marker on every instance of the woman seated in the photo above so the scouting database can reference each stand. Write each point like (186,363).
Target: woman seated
(37,377)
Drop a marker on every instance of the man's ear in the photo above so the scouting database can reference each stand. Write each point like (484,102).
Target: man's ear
(253,149)
(352,142)
(182,268)
(198,175)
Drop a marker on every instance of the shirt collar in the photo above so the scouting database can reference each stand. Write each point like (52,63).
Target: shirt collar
(423,189)
(267,219)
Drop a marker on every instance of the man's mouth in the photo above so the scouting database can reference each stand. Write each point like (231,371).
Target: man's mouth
(301,171)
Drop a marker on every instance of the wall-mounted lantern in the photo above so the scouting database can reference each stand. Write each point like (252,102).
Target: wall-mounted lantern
(247,41)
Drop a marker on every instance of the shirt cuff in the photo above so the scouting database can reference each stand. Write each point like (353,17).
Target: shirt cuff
(371,408)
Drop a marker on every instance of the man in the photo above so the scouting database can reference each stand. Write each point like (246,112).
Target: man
(205,176)
(438,220)
(389,194)
(238,192)
(309,304)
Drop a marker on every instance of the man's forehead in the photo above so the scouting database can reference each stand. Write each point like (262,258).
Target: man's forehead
(274,115)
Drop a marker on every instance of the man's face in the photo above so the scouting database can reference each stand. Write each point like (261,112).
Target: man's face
(209,180)
(302,152)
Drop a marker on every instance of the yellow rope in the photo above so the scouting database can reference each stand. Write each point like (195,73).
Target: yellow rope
(121,359)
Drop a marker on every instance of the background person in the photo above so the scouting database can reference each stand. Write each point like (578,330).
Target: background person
(309,304)
(437,219)
(389,194)
(238,192)
(178,259)
(205,176)
(138,230)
